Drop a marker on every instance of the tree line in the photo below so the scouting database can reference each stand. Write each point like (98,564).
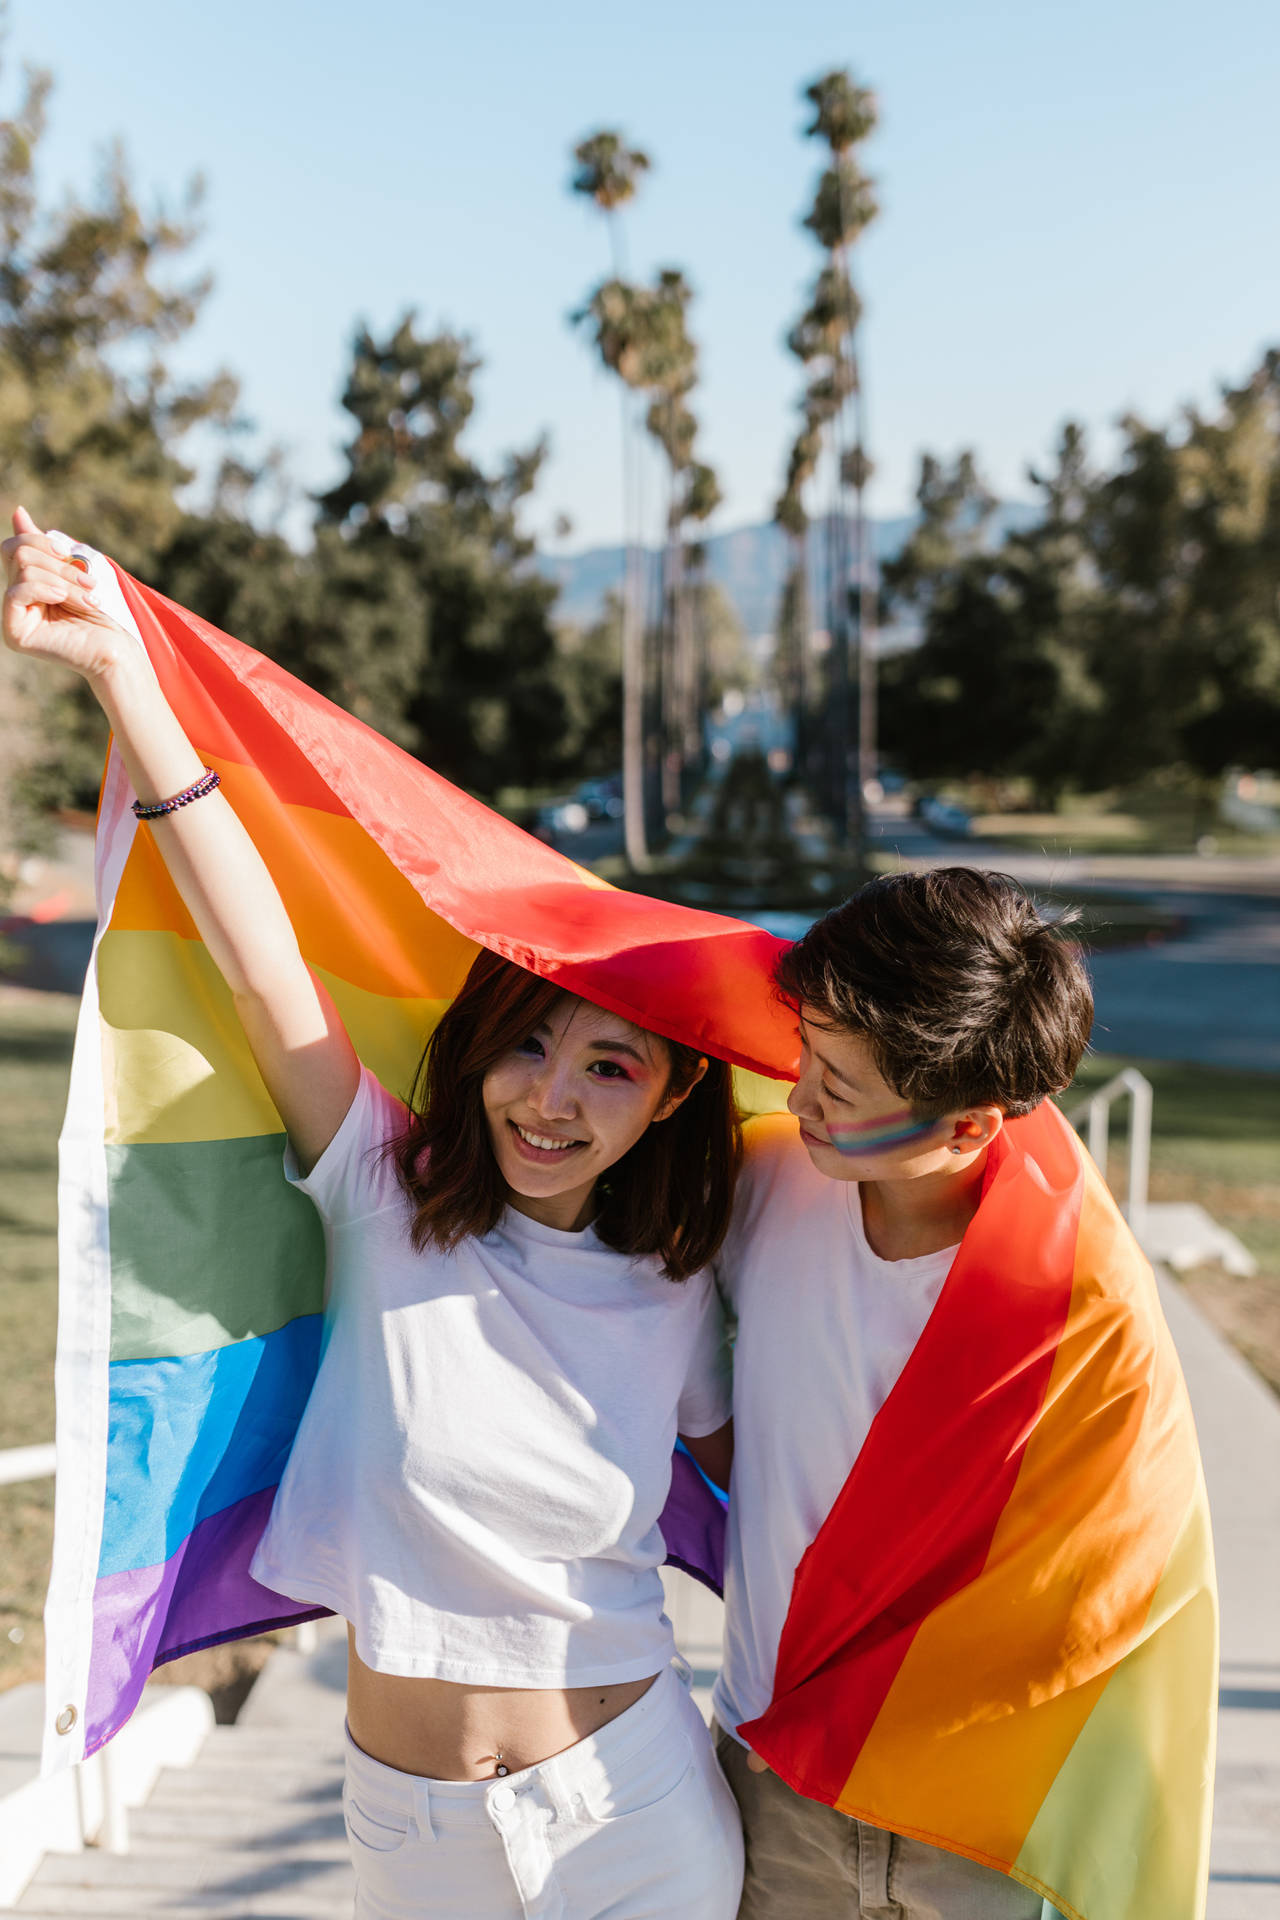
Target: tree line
(1132,629)
(417,603)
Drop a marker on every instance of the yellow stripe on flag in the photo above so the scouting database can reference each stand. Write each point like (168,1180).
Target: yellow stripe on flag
(354,913)
(176,1051)
(1124,1832)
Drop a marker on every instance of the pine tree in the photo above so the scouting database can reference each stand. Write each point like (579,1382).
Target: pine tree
(441,624)
(1000,689)
(92,419)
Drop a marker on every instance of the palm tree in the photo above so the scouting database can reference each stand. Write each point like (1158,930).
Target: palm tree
(702,496)
(844,205)
(641,334)
(669,375)
(794,620)
(608,172)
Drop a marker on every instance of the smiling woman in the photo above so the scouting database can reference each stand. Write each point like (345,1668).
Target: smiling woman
(469,1459)
(643,1135)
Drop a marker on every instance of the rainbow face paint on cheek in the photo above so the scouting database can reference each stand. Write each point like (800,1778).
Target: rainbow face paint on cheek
(898,1129)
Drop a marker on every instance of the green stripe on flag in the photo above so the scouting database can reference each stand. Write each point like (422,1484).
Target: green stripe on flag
(209,1245)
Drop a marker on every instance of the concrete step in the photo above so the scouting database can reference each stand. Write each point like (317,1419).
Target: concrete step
(228,1882)
(246,1783)
(1246,1810)
(238,1824)
(1241,1900)
(1246,1852)
(234,1743)
(121,1903)
(273,1909)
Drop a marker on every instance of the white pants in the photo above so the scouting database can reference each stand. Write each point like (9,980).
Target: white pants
(635,1822)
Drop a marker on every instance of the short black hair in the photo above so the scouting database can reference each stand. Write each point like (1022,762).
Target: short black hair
(966,995)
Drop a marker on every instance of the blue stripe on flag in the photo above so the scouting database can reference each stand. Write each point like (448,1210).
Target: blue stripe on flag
(189,1437)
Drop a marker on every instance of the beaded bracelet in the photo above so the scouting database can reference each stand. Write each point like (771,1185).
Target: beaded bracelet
(205,784)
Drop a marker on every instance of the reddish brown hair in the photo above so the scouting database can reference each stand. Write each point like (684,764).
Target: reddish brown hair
(670,1194)
(966,996)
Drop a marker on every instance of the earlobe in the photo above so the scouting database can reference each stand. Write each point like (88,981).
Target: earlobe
(676,1100)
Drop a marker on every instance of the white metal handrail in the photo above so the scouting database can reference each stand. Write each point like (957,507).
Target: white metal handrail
(108,1824)
(26,1463)
(1096,1111)
(40,1463)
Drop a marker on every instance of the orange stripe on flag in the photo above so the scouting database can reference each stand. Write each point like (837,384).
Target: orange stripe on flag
(1001,1678)
(385,940)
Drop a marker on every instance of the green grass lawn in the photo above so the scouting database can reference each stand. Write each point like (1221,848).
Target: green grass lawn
(1155,817)
(1215,1142)
(36,1033)
(35,1055)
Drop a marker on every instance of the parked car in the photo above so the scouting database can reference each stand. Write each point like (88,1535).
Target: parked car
(601,798)
(944,817)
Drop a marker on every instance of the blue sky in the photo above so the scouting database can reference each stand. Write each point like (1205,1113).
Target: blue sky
(1079,206)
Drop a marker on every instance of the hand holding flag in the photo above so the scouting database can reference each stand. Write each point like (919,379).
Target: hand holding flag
(49,610)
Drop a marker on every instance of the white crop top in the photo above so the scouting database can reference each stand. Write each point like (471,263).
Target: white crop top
(478,1474)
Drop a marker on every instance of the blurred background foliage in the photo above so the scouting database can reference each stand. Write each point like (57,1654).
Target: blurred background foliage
(1125,629)
(1132,629)
(416,605)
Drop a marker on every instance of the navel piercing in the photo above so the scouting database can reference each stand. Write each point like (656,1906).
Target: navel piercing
(500,1766)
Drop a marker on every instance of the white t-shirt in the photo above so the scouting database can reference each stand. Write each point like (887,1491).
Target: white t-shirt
(479,1471)
(825,1327)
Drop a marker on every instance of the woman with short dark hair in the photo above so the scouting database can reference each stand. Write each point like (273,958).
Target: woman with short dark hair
(520,1320)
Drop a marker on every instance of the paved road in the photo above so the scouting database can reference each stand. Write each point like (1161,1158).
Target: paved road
(1211,995)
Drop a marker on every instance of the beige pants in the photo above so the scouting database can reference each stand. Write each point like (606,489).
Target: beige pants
(808,1862)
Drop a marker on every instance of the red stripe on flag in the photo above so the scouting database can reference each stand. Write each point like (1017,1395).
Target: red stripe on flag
(701,978)
(219,721)
(915,1519)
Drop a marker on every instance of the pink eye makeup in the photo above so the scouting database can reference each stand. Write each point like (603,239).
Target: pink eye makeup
(898,1129)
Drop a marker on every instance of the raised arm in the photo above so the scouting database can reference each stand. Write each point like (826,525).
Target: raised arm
(297,1038)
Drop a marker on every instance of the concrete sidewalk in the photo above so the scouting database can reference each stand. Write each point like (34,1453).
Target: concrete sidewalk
(254,1828)
(1239,1424)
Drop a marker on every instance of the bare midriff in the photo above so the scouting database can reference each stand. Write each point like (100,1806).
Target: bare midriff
(444,1731)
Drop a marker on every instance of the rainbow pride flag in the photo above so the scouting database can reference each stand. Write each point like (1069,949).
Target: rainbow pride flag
(1003,1640)
(191,1274)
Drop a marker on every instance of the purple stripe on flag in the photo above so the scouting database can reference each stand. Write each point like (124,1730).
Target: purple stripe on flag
(202,1594)
(693,1524)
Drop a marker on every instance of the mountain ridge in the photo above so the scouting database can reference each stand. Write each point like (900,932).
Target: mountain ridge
(749,563)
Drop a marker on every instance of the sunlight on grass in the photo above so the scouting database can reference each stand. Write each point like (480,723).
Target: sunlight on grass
(35,1057)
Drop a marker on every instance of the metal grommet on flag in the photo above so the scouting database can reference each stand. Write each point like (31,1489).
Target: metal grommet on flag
(65,1720)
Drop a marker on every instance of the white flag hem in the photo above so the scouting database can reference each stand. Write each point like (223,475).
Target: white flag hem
(84,1284)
